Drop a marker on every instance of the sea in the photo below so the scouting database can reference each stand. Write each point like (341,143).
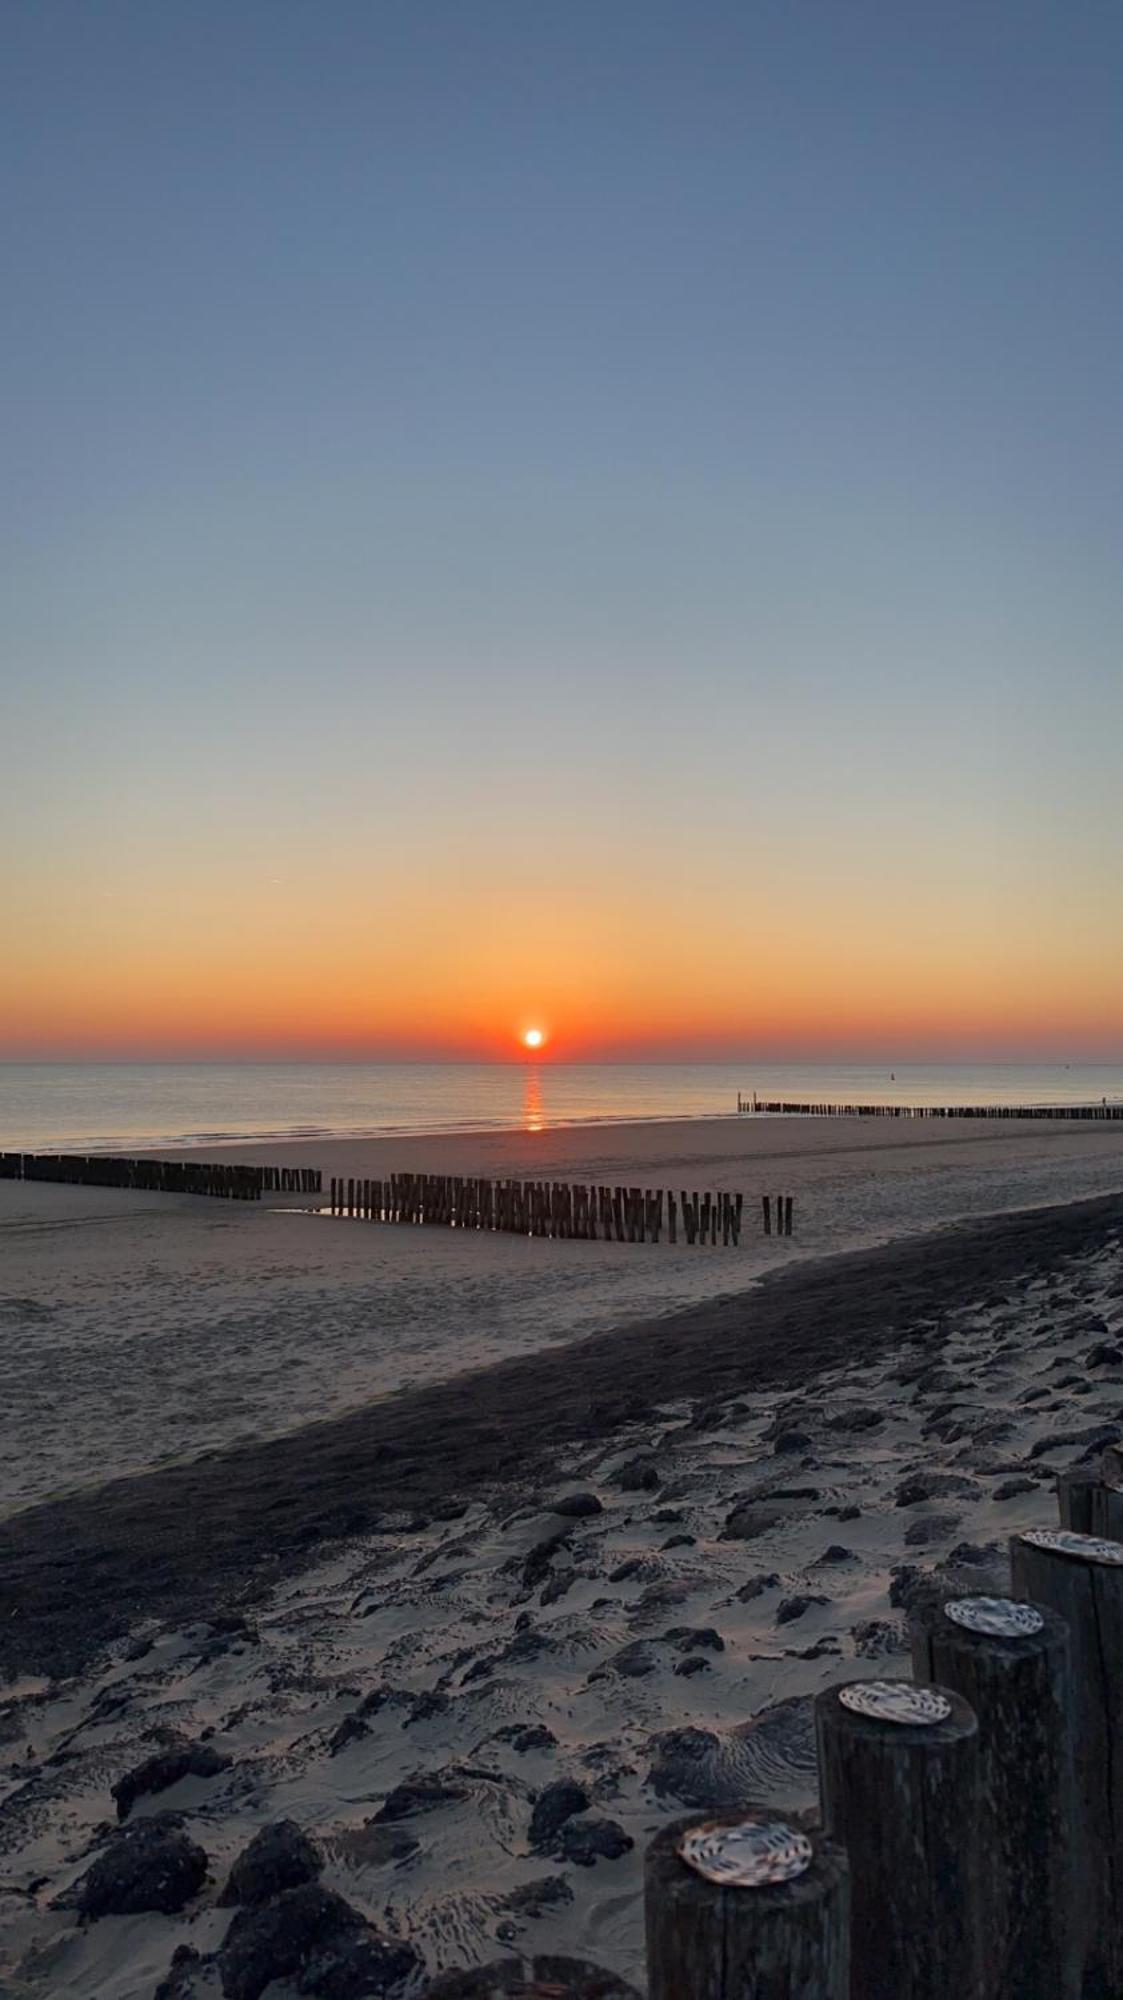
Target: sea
(104,1107)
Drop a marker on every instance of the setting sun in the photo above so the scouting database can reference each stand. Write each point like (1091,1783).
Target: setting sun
(534,1038)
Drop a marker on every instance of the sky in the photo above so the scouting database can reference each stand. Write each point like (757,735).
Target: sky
(600,515)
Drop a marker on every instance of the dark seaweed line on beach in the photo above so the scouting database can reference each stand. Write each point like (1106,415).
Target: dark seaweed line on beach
(78,1572)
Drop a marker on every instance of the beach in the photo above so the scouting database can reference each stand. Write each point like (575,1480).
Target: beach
(137,1330)
(620,1546)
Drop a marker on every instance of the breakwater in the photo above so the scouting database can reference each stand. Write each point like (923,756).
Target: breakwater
(753,1106)
(555,1208)
(110,1170)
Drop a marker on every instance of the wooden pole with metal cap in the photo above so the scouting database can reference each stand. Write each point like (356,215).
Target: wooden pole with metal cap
(899,1782)
(745,1903)
(1080,1577)
(1010,1662)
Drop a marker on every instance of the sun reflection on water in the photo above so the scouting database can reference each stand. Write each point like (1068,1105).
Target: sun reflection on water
(534,1109)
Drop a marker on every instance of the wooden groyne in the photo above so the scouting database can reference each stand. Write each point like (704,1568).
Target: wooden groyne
(967,1841)
(554,1208)
(111,1170)
(753,1106)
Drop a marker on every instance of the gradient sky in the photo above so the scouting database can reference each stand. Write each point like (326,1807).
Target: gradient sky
(592,512)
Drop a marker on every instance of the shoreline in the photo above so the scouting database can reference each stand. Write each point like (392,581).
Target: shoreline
(1036,1119)
(196,1537)
(181,1145)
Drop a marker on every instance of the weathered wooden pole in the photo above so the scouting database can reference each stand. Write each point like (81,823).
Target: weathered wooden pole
(1010,1662)
(672,1218)
(1105,1497)
(1111,1465)
(1080,1577)
(767,1207)
(1074,1498)
(746,1904)
(899,1782)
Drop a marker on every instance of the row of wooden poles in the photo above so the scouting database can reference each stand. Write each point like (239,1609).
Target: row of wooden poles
(974,1857)
(979,1857)
(553,1208)
(1082,1113)
(111,1170)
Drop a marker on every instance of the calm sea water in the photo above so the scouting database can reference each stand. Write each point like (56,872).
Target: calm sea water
(101,1106)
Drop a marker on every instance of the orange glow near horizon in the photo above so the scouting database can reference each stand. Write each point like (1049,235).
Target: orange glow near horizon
(143,956)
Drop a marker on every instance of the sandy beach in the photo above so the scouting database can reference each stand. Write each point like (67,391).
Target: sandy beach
(618,1552)
(137,1330)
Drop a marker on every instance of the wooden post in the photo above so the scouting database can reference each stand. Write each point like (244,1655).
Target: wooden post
(779,1939)
(672,1218)
(1081,1579)
(1010,1662)
(787,1215)
(902,1797)
(767,1206)
(1111,1465)
(634,1200)
(1105,1497)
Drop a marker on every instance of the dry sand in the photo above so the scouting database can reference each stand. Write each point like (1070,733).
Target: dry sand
(389,1633)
